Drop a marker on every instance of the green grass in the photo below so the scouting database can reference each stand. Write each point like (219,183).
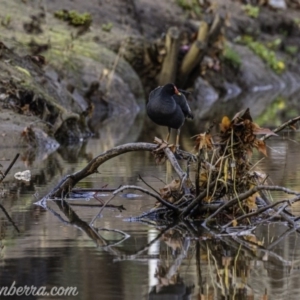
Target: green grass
(73,17)
(231,56)
(292,50)
(190,5)
(251,11)
(6,21)
(265,54)
(107,27)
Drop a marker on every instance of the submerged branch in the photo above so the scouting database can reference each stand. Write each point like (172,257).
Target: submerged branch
(159,199)
(67,183)
(249,193)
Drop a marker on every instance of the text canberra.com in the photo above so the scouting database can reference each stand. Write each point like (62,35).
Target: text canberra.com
(37,291)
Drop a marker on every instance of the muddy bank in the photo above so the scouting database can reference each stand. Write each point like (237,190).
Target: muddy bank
(75,81)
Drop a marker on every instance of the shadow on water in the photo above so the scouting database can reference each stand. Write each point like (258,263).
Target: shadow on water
(186,260)
(57,246)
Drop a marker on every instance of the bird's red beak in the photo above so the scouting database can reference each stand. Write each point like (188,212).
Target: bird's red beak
(176,91)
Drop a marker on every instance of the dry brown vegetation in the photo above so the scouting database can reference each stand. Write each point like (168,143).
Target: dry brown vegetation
(226,191)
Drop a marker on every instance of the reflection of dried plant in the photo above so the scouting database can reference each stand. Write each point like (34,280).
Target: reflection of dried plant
(173,239)
(162,275)
(29,137)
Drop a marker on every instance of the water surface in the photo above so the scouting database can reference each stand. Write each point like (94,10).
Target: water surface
(54,248)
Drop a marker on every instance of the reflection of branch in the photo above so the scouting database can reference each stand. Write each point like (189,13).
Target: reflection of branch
(232,243)
(9,167)
(134,256)
(9,218)
(125,187)
(198,265)
(85,190)
(126,236)
(178,261)
(283,236)
(248,245)
(119,207)
(76,221)
(84,226)
(159,199)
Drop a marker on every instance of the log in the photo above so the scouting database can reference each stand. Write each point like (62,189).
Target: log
(195,54)
(169,67)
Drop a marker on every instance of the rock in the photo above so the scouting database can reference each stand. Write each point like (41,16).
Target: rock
(254,74)
(278,4)
(204,96)
(232,90)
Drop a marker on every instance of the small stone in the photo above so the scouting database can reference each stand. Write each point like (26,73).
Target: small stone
(279,4)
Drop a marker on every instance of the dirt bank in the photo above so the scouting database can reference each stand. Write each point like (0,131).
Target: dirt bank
(103,69)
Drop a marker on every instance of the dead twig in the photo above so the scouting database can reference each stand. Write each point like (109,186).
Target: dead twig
(68,182)
(148,185)
(249,193)
(281,127)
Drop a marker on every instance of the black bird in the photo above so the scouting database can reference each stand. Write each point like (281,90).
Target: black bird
(168,107)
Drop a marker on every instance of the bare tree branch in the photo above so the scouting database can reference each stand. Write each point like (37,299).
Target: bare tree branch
(281,127)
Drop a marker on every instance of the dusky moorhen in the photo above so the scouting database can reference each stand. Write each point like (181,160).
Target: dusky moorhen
(168,107)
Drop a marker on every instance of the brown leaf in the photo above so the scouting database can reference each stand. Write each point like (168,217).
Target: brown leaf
(242,115)
(251,202)
(207,199)
(203,141)
(257,130)
(249,152)
(203,178)
(26,109)
(159,153)
(174,185)
(260,146)
(166,191)
(160,159)
(225,124)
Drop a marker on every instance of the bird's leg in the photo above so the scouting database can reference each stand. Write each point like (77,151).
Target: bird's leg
(177,138)
(168,136)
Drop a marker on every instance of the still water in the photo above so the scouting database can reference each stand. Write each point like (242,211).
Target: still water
(55,248)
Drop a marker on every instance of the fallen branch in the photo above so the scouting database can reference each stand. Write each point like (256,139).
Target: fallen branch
(249,193)
(281,127)
(67,183)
